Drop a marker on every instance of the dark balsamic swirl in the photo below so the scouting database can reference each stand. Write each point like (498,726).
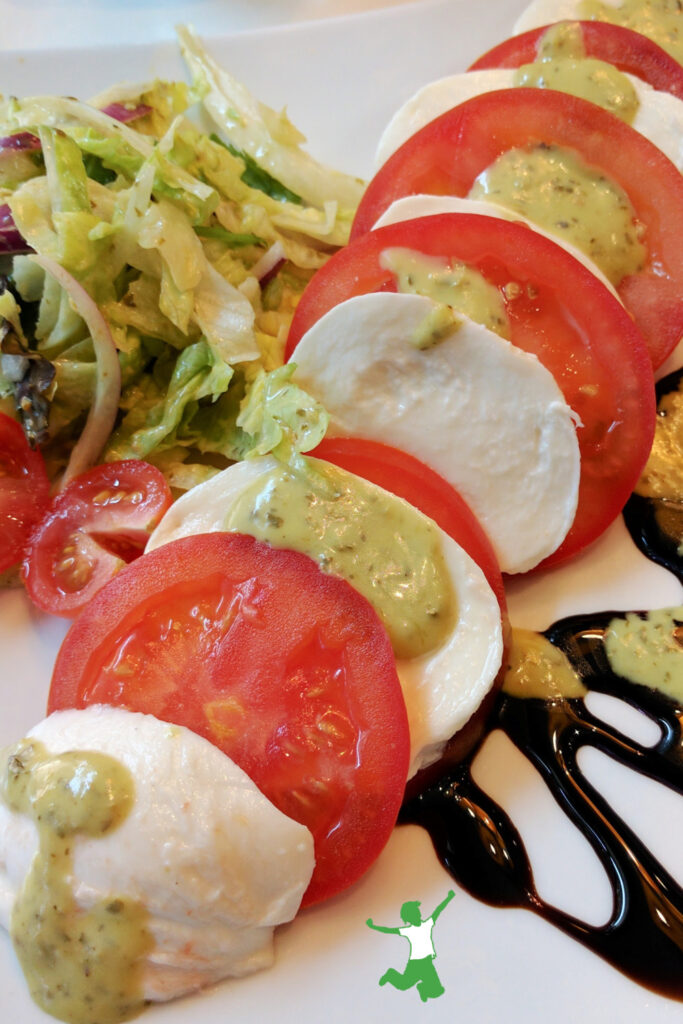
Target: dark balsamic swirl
(656,524)
(481,848)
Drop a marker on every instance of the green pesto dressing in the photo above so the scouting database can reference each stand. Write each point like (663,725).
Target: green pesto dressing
(553,188)
(563,65)
(81,965)
(660,20)
(648,651)
(537,668)
(453,285)
(386,550)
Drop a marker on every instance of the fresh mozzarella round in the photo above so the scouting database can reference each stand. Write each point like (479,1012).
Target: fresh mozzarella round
(214,863)
(659,117)
(443,688)
(484,414)
(410,207)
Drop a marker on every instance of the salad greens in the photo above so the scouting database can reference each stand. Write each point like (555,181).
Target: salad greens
(194,248)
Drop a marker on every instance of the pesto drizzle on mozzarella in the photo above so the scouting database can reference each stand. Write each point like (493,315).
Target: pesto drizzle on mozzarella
(81,963)
(386,549)
(660,20)
(456,285)
(563,65)
(553,187)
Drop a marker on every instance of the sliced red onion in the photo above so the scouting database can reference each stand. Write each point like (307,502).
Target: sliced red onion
(25,141)
(104,408)
(269,264)
(12,242)
(120,112)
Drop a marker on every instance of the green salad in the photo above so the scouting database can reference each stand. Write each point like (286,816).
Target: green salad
(156,241)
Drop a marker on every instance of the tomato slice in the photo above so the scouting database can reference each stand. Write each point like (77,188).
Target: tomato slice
(627,50)
(446,156)
(561,313)
(410,479)
(286,669)
(24,491)
(97,524)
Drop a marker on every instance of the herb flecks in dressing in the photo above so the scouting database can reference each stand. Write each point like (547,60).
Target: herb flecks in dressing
(81,962)
(649,650)
(554,188)
(382,546)
(563,65)
(660,20)
(456,285)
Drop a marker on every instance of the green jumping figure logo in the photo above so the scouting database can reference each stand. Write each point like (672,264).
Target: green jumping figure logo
(420,969)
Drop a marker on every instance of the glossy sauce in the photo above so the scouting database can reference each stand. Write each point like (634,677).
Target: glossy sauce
(563,65)
(481,848)
(555,189)
(385,548)
(81,963)
(654,513)
(661,20)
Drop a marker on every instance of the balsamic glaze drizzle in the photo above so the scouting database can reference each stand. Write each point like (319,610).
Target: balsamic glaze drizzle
(481,848)
(656,524)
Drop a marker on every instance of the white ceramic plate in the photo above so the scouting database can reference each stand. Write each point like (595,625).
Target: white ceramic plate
(341,80)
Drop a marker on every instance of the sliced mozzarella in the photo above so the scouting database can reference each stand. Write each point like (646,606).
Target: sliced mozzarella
(410,207)
(485,415)
(442,689)
(659,117)
(216,865)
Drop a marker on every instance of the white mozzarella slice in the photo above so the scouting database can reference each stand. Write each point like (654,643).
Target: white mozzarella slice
(484,414)
(410,207)
(442,689)
(216,865)
(659,117)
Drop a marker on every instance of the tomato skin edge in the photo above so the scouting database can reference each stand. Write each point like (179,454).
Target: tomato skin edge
(446,156)
(192,559)
(590,308)
(627,50)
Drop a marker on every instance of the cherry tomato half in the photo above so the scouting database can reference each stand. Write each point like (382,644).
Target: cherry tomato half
(24,491)
(447,155)
(98,523)
(627,50)
(560,312)
(286,669)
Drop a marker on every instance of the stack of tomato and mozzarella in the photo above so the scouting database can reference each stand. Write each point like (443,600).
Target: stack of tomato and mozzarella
(529,437)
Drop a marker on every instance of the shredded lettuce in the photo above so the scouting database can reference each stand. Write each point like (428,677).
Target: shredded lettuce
(168,230)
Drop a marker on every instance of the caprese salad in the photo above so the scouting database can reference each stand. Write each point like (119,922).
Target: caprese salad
(368,434)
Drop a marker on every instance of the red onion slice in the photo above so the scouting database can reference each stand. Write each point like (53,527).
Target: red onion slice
(12,242)
(102,415)
(120,112)
(24,141)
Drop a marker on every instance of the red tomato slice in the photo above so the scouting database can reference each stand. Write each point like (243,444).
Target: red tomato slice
(410,479)
(563,314)
(286,669)
(447,155)
(629,51)
(24,491)
(100,521)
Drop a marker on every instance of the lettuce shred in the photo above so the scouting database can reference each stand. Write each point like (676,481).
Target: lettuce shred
(166,226)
